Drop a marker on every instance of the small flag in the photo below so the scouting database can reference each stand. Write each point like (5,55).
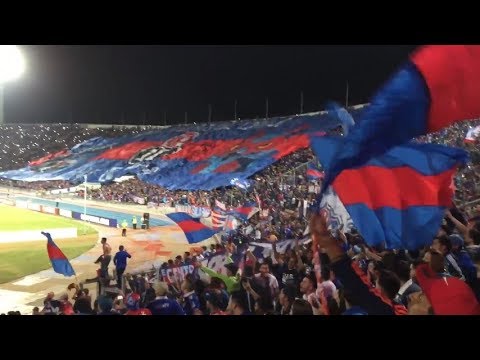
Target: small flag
(194,230)
(313,172)
(218,220)
(58,259)
(220,205)
(242,184)
(245,212)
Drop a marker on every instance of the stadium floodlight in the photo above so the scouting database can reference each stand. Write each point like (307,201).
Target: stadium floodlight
(85,203)
(12,66)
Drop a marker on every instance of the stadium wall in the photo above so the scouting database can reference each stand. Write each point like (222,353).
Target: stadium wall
(26,204)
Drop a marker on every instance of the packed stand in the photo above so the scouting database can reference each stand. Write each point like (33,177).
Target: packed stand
(332,275)
(23,143)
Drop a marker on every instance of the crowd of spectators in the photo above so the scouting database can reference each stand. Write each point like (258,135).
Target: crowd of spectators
(331,276)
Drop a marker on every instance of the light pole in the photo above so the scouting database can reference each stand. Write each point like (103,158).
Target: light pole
(85,203)
(12,65)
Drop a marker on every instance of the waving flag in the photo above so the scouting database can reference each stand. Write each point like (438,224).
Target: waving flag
(313,172)
(218,219)
(398,199)
(231,223)
(220,205)
(58,259)
(436,88)
(338,217)
(245,212)
(194,230)
(472,135)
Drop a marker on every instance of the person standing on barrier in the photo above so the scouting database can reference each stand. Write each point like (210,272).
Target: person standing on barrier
(120,261)
(134,222)
(124,228)
(106,258)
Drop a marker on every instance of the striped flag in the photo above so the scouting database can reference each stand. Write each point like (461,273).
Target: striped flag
(218,219)
(220,205)
(245,212)
(193,229)
(313,172)
(59,261)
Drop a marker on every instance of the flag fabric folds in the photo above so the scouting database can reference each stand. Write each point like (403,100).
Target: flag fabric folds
(244,212)
(340,113)
(197,157)
(218,219)
(194,230)
(397,199)
(59,261)
(437,87)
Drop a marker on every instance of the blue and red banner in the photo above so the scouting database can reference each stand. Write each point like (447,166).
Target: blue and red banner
(194,230)
(397,199)
(437,87)
(244,212)
(314,172)
(202,157)
(59,261)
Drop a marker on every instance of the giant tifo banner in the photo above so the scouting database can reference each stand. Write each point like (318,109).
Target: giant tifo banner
(202,157)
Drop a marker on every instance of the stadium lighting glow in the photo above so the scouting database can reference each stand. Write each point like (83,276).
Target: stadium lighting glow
(12,63)
(12,66)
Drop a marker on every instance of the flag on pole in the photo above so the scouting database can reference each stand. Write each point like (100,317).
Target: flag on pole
(313,172)
(244,212)
(58,259)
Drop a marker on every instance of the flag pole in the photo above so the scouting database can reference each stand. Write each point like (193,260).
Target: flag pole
(85,204)
(301,102)
(346,97)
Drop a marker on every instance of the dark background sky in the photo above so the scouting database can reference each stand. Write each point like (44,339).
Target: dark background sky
(97,84)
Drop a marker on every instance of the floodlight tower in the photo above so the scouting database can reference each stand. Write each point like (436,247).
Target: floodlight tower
(12,66)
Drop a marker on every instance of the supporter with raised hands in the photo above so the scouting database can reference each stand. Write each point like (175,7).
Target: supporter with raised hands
(350,275)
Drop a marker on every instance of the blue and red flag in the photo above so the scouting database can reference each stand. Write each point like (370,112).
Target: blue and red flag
(58,259)
(397,199)
(194,230)
(437,87)
(313,172)
(218,219)
(244,212)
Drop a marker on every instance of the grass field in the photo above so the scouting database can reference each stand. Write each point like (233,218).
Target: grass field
(15,219)
(25,258)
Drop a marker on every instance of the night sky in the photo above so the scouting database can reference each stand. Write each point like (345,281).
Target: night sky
(137,84)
